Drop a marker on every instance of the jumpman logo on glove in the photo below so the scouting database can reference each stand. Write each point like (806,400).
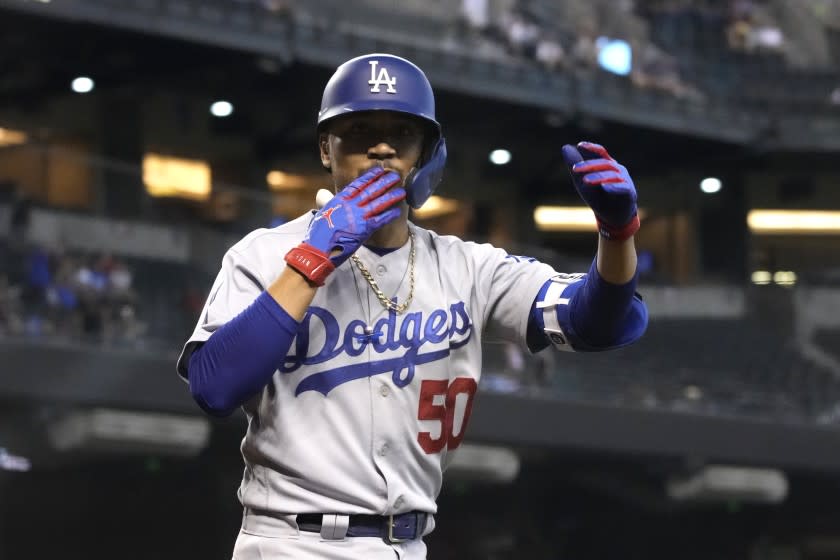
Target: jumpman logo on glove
(366,204)
(327,215)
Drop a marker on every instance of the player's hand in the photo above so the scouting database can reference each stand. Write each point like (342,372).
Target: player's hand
(345,222)
(349,218)
(606,186)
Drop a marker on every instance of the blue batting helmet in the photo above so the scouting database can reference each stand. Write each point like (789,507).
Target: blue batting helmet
(384,82)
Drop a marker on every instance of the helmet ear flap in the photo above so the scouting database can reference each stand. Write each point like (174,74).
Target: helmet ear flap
(423,180)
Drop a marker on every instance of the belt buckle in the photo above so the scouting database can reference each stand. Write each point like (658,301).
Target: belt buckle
(391,538)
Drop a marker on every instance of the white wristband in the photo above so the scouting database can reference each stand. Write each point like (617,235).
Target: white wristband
(553,298)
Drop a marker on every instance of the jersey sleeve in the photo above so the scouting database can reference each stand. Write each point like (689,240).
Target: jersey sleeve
(508,285)
(236,287)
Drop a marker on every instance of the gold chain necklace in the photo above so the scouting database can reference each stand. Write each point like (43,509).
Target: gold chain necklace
(383,299)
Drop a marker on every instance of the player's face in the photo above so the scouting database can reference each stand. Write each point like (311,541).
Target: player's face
(354,143)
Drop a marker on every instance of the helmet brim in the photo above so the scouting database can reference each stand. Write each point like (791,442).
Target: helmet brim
(365,106)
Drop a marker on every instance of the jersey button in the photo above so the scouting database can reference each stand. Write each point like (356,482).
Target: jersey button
(383,450)
(384,390)
(398,503)
(381,270)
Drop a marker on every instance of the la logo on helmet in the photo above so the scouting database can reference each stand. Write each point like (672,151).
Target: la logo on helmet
(382,78)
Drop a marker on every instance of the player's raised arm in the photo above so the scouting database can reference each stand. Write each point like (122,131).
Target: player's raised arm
(605,185)
(600,310)
(238,360)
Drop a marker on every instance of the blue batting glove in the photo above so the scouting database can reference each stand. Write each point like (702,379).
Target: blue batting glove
(345,222)
(606,187)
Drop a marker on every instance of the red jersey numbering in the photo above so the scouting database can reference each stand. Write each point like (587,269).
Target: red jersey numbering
(437,402)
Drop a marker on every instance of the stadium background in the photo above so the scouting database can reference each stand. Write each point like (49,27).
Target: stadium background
(121,191)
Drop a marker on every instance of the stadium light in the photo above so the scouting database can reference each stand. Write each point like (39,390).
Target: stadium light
(794,222)
(500,157)
(9,462)
(9,137)
(693,392)
(125,431)
(564,218)
(568,218)
(725,483)
(614,55)
(436,206)
(221,109)
(82,84)
(484,463)
(166,176)
(282,180)
(710,185)
(784,278)
(761,277)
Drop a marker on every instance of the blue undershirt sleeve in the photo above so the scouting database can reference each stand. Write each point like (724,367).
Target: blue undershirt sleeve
(238,360)
(606,315)
(599,315)
(536,338)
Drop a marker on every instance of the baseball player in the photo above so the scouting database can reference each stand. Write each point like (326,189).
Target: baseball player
(352,337)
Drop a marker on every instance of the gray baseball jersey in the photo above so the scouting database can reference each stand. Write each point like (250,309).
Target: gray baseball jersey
(353,422)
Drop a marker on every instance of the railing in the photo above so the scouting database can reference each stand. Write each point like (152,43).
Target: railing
(768,353)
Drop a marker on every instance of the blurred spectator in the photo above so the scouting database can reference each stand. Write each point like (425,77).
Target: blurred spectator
(119,283)
(656,70)
(473,30)
(618,19)
(37,278)
(550,53)
(736,34)
(20,210)
(120,303)
(747,31)
(57,293)
(62,299)
(91,283)
(280,8)
(741,9)
(475,15)
(585,50)
(765,39)
(514,357)
(10,308)
(471,26)
(671,21)
(543,369)
(522,34)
